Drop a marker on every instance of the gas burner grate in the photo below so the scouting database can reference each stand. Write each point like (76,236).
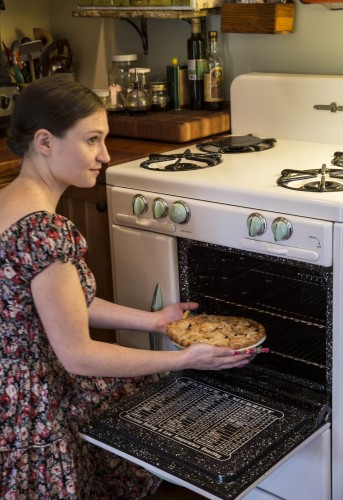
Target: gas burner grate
(337,159)
(179,162)
(290,179)
(236,144)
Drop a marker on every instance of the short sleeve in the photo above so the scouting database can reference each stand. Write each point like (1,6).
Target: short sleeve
(42,238)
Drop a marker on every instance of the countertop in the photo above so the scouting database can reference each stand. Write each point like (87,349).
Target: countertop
(120,150)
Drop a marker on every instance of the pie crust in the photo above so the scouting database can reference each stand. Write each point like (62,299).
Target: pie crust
(224,331)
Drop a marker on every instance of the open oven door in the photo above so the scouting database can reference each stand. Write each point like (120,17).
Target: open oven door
(220,434)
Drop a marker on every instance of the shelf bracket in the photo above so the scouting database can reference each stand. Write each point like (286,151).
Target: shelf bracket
(142,32)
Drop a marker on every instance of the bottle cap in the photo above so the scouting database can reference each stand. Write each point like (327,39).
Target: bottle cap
(124,57)
(196,24)
(175,61)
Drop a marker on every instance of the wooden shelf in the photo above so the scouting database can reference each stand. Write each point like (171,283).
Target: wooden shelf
(132,12)
(267,18)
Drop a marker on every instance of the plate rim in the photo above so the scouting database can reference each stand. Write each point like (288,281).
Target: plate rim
(259,342)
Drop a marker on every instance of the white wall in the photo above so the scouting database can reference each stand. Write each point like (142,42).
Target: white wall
(91,39)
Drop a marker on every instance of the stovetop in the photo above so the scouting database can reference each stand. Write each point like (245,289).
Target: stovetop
(248,180)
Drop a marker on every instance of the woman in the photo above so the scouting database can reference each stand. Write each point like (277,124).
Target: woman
(53,375)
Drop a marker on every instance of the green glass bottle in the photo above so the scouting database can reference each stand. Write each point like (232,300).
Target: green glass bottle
(196,52)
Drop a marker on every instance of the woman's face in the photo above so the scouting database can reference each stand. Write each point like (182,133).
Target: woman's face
(77,157)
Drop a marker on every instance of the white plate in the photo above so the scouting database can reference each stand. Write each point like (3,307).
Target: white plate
(237,350)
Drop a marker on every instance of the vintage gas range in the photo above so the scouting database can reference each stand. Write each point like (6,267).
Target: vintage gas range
(252,226)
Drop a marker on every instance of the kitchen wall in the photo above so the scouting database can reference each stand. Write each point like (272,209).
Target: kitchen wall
(92,40)
(316,46)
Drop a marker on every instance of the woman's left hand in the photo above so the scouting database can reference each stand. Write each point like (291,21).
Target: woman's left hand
(171,313)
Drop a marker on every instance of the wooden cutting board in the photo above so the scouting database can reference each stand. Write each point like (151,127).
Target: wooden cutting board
(170,126)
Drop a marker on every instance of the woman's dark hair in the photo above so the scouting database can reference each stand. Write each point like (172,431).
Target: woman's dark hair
(55,103)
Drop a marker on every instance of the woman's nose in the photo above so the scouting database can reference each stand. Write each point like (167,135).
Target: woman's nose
(103,155)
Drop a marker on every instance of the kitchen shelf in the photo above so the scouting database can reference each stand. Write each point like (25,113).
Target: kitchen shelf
(266,18)
(148,13)
(128,14)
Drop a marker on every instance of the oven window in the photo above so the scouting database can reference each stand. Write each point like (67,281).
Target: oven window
(291,299)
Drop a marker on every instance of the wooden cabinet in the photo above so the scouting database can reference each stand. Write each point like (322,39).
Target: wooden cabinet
(265,18)
(87,209)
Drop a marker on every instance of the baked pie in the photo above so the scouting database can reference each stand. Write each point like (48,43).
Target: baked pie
(224,331)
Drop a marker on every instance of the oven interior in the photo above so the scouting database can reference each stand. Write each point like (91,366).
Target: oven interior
(291,299)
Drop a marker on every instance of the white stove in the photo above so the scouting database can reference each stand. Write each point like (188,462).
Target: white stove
(247,179)
(170,228)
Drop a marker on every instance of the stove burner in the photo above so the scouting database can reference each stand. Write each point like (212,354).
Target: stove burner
(337,159)
(236,144)
(321,185)
(194,161)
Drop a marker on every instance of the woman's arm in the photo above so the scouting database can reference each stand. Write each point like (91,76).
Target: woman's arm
(104,314)
(62,308)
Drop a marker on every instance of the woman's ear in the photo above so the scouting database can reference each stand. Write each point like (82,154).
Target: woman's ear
(42,141)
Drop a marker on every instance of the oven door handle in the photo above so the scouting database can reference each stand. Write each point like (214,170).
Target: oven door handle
(156,305)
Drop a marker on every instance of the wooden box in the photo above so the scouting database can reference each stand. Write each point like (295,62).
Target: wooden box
(267,18)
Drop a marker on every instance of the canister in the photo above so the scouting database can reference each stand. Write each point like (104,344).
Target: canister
(159,96)
(177,81)
(118,75)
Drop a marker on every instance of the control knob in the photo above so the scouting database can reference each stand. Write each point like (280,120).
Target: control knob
(139,205)
(282,229)
(179,212)
(159,208)
(257,224)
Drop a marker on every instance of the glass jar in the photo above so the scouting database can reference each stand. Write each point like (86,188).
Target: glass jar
(119,79)
(137,102)
(159,97)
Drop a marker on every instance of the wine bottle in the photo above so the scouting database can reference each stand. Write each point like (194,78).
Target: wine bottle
(196,65)
(213,76)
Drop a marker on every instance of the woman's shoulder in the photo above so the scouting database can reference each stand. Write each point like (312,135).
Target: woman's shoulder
(45,233)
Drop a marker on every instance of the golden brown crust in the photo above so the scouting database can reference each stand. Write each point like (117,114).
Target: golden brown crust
(228,331)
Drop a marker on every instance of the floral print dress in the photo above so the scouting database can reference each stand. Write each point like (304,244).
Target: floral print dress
(41,405)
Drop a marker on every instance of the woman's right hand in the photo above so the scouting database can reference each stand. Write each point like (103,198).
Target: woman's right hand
(209,357)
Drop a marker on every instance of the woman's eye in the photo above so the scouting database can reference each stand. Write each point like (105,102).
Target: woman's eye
(92,140)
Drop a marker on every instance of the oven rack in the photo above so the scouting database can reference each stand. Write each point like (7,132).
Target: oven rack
(266,309)
(292,338)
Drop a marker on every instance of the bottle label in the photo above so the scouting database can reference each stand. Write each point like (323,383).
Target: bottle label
(196,69)
(214,85)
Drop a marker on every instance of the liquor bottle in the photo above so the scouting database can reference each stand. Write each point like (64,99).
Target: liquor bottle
(196,65)
(213,76)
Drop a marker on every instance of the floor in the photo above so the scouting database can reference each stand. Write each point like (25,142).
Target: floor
(168,491)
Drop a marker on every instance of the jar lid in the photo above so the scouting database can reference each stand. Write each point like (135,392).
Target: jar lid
(101,92)
(158,86)
(140,71)
(124,57)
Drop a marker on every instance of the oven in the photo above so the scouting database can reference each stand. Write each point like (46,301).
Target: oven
(248,225)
